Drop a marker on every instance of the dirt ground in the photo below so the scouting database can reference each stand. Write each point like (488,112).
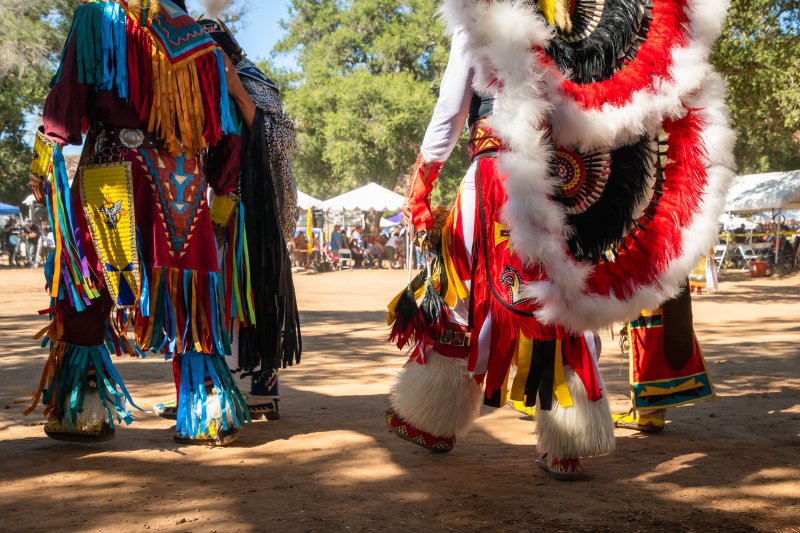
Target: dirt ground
(330,464)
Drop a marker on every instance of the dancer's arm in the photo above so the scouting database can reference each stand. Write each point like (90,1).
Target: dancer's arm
(447,123)
(62,116)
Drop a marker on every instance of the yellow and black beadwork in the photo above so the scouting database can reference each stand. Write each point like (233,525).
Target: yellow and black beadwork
(42,160)
(107,198)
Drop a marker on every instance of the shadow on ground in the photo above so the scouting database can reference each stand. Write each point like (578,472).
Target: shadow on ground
(330,464)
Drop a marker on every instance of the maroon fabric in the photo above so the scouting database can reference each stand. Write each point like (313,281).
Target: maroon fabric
(69,102)
(224,162)
(172,211)
(85,328)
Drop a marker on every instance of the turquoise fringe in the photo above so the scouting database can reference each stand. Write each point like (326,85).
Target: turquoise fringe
(69,385)
(193,417)
(106,66)
(230,125)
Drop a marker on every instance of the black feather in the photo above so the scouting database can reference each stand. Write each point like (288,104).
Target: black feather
(409,323)
(599,55)
(610,218)
(433,307)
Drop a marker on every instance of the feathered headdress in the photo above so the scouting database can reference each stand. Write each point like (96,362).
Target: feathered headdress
(214,8)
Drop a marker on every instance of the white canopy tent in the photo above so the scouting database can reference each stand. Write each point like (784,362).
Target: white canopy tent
(775,191)
(370,196)
(772,192)
(306,202)
(731,221)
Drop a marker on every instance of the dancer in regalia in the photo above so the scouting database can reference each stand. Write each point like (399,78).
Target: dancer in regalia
(269,196)
(598,167)
(667,368)
(135,250)
(268,211)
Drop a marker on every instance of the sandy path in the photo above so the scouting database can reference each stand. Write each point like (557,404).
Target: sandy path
(331,465)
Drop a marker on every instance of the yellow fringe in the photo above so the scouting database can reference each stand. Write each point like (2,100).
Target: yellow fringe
(523,361)
(562,18)
(548,9)
(560,389)
(177,95)
(135,7)
(177,104)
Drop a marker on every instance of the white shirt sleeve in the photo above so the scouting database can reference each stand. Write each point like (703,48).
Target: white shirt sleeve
(450,114)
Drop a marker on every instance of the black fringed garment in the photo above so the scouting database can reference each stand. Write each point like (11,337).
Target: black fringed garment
(275,342)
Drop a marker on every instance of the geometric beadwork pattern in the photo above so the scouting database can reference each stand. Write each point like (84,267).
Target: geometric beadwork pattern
(180,36)
(408,432)
(180,189)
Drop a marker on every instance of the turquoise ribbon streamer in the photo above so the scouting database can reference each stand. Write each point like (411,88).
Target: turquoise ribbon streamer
(228,124)
(193,417)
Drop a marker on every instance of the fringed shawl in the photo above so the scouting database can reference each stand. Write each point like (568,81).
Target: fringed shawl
(159,60)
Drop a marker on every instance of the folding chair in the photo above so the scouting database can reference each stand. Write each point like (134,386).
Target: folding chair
(748,254)
(720,254)
(345,258)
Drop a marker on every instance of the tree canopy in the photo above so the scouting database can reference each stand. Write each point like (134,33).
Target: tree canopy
(31,35)
(758,55)
(366,80)
(362,93)
(367,74)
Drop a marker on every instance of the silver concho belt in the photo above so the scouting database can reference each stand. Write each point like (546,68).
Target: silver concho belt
(130,138)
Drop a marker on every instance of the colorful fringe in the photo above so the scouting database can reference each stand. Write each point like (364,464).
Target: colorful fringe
(71,278)
(239,300)
(194,417)
(181,311)
(64,384)
(163,64)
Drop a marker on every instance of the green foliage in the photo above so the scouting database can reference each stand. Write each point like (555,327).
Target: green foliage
(363,91)
(31,35)
(758,54)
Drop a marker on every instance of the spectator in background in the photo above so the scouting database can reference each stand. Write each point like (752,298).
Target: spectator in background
(301,250)
(392,247)
(375,253)
(8,231)
(48,244)
(740,235)
(400,251)
(32,234)
(337,240)
(357,254)
(357,236)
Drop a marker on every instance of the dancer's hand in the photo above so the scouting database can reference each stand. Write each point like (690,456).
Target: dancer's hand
(38,189)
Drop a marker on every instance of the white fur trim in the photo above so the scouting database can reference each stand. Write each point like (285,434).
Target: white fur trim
(93,413)
(592,311)
(438,397)
(501,36)
(583,430)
